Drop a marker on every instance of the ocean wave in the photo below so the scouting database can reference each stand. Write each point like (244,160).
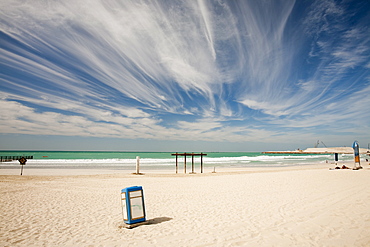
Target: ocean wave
(242,161)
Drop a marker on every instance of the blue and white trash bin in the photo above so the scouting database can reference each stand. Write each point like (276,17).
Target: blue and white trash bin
(133,208)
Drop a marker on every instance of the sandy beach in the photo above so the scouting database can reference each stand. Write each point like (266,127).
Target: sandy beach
(296,206)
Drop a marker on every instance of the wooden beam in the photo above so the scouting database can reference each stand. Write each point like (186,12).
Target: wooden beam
(189,154)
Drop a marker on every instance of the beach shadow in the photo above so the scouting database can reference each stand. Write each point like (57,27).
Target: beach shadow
(154,221)
(158,220)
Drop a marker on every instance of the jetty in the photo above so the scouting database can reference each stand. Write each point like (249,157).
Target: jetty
(11,158)
(326,150)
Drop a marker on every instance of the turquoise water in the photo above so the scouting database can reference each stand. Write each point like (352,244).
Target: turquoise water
(114,155)
(69,155)
(162,160)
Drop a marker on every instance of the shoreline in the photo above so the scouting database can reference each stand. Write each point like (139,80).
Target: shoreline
(34,167)
(75,171)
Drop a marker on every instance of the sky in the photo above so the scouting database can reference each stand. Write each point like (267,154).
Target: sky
(184,75)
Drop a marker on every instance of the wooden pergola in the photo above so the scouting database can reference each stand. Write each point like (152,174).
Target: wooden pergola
(192,160)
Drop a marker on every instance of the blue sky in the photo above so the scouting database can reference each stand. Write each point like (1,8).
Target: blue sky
(184,75)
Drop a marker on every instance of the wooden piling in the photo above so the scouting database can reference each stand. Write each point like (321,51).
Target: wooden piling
(192,160)
(177,165)
(201,162)
(11,158)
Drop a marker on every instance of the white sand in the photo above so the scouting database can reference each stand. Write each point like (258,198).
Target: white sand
(259,207)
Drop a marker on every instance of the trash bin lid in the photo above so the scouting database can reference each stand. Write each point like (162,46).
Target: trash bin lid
(132,188)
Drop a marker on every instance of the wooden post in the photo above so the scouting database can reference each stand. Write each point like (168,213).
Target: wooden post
(177,165)
(137,164)
(201,162)
(185,162)
(192,162)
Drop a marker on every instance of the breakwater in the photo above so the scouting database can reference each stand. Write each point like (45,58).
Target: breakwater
(11,158)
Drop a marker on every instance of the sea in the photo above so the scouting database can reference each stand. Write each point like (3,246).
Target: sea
(164,160)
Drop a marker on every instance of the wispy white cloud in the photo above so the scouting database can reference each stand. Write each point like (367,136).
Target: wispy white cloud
(126,46)
(336,58)
(19,119)
(242,70)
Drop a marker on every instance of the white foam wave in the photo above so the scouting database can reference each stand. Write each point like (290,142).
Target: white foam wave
(261,160)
